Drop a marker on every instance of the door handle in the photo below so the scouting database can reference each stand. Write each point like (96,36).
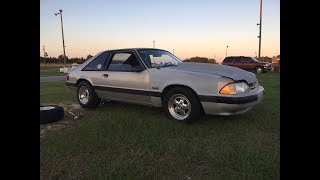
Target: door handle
(105,75)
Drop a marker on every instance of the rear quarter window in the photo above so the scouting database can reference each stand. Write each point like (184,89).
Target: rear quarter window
(98,63)
(227,60)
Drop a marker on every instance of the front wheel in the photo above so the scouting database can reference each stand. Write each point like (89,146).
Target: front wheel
(182,104)
(258,70)
(86,96)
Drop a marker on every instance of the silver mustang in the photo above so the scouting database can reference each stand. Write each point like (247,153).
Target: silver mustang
(155,77)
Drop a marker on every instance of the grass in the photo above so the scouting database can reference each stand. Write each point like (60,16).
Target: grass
(131,140)
(56,92)
(51,71)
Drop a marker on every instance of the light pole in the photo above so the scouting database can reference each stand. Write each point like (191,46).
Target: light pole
(227,51)
(259,24)
(173,52)
(154,43)
(64,51)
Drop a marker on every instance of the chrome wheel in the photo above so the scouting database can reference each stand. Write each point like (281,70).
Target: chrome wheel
(179,106)
(259,70)
(83,95)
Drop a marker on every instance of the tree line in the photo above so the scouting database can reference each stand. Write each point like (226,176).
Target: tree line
(275,59)
(201,60)
(59,60)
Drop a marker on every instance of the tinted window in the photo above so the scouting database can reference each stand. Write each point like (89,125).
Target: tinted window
(237,59)
(247,59)
(98,63)
(126,62)
(228,59)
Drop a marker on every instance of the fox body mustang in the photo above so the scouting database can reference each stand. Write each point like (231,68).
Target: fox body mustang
(155,77)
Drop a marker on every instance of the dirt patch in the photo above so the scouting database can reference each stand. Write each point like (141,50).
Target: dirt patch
(67,121)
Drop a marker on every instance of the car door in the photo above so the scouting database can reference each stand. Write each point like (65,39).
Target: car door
(246,63)
(237,62)
(251,64)
(231,61)
(125,79)
(95,69)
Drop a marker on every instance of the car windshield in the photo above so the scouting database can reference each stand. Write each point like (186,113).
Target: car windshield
(154,58)
(254,59)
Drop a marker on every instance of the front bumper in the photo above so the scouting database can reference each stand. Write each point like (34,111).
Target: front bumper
(71,85)
(231,105)
(268,68)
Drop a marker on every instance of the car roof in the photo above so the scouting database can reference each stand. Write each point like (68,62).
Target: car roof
(125,49)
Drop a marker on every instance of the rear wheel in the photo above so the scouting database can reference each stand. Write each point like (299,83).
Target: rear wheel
(182,104)
(86,95)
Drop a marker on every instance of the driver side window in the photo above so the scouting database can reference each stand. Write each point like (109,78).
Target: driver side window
(125,62)
(247,60)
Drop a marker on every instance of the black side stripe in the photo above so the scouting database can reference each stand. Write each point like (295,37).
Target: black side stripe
(128,91)
(229,100)
(215,99)
(71,84)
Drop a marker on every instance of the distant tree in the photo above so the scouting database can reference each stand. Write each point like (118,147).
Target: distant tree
(81,60)
(265,59)
(278,57)
(89,56)
(60,59)
(201,60)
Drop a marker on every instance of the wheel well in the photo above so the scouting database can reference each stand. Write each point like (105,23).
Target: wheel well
(168,88)
(80,80)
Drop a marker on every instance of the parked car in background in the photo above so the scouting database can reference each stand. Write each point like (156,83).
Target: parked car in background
(248,63)
(155,77)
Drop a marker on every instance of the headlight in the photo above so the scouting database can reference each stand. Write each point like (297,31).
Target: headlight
(235,88)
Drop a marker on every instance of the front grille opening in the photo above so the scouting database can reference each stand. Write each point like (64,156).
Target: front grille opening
(253,85)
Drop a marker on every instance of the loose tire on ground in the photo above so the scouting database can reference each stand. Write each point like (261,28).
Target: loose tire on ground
(50,113)
(182,98)
(86,95)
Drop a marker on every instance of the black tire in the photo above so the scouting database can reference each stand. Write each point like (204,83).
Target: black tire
(196,108)
(93,99)
(50,113)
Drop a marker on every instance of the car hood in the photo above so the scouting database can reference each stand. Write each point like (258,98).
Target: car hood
(217,69)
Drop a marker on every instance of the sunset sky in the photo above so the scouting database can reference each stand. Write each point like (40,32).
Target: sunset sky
(190,27)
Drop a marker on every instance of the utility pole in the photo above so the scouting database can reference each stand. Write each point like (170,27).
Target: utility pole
(227,51)
(260,24)
(154,43)
(45,54)
(64,51)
